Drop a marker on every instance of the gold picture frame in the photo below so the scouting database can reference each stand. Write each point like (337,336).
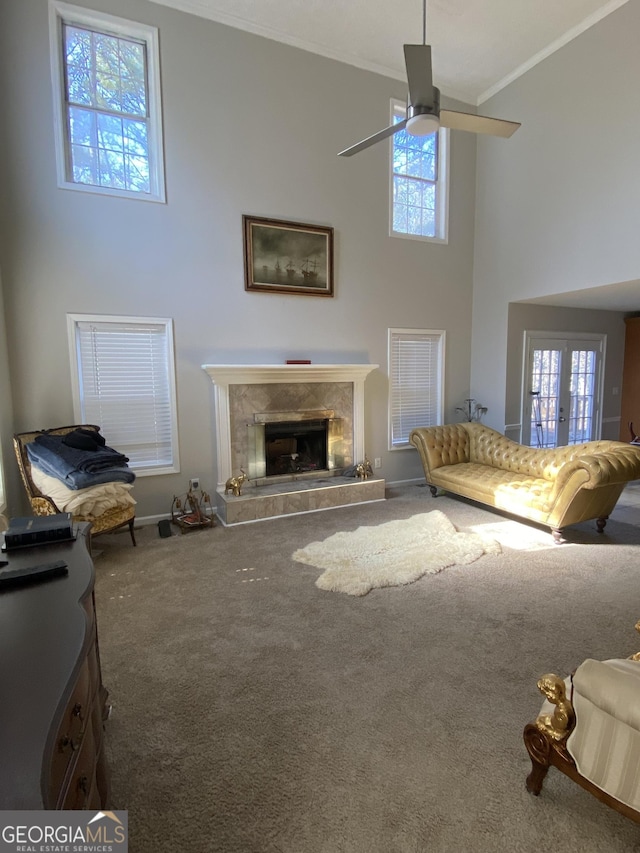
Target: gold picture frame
(287,257)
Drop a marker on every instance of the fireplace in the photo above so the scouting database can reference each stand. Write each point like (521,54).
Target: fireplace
(294,444)
(295,447)
(293,429)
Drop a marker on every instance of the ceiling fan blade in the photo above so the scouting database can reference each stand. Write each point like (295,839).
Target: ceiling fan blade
(371,140)
(478,124)
(417,58)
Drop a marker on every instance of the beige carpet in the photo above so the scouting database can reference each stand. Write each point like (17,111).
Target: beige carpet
(256,713)
(395,553)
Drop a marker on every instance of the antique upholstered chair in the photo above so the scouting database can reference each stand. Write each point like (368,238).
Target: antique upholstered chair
(107,508)
(589,729)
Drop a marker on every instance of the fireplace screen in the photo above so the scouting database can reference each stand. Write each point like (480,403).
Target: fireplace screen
(295,447)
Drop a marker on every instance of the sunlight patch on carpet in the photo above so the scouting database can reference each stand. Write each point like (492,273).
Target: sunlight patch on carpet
(392,554)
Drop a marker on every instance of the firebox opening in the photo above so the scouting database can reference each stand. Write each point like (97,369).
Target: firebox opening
(293,447)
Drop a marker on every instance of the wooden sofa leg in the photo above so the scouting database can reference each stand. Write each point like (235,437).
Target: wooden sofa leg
(434,491)
(133,538)
(539,750)
(558,538)
(600,523)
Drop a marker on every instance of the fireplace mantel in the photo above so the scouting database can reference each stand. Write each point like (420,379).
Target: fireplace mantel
(254,374)
(225,375)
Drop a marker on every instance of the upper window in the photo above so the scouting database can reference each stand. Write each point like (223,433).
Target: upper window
(123,379)
(106,86)
(416,382)
(419,182)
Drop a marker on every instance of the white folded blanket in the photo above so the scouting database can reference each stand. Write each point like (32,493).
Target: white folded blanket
(94,500)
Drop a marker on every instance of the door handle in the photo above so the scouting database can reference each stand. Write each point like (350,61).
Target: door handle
(561,420)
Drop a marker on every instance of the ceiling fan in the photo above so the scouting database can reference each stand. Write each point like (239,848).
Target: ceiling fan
(424,115)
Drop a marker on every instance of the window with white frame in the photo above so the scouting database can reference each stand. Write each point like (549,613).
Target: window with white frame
(416,382)
(107,108)
(123,379)
(419,182)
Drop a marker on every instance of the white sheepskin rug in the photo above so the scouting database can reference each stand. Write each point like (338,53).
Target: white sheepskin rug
(392,554)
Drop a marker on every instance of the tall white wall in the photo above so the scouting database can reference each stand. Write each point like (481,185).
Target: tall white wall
(558,205)
(251,126)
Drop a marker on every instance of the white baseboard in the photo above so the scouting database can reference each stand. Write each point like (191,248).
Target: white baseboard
(416,481)
(145,520)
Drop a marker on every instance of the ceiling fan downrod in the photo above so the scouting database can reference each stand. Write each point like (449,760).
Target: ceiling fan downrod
(424,21)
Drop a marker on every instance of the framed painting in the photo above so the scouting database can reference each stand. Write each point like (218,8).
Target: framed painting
(287,257)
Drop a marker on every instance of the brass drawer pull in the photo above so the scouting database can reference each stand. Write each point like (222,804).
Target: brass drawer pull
(68,742)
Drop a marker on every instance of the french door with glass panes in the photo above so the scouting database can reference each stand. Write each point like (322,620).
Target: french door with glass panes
(562,388)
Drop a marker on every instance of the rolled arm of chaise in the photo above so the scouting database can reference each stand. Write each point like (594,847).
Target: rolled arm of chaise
(609,468)
(619,465)
(441,445)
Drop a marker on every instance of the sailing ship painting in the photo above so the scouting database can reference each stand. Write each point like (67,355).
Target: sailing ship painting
(309,273)
(288,257)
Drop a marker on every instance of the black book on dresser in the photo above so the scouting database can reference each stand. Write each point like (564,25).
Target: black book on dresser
(38,530)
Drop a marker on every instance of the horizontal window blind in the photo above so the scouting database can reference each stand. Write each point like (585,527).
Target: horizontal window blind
(415,376)
(124,373)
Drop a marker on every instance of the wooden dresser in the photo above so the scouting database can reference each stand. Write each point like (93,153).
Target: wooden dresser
(52,700)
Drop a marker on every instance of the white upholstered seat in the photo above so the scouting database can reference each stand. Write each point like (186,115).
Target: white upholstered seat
(605,742)
(589,729)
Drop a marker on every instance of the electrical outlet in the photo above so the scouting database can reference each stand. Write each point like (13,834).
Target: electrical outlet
(194,484)
(377,462)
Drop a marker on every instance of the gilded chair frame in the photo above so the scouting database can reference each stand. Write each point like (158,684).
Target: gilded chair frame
(41,504)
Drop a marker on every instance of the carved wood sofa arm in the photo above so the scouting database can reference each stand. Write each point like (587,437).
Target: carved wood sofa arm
(606,695)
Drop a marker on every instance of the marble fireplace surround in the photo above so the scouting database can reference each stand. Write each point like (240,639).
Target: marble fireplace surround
(244,390)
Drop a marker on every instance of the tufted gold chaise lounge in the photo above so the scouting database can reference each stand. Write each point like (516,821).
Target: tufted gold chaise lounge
(556,486)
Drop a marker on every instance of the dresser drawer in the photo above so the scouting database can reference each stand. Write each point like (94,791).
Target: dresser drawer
(81,789)
(71,731)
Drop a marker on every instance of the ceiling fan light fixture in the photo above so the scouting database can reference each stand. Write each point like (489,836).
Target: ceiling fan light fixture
(423,124)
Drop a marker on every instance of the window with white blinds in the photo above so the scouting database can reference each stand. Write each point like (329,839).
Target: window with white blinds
(416,382)
(124,381)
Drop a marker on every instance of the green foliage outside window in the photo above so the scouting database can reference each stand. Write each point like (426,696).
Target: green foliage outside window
(107,109)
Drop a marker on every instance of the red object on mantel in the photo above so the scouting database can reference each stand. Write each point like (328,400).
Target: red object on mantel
(298,361)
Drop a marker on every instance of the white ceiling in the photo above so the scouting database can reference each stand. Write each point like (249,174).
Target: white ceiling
(478,46)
